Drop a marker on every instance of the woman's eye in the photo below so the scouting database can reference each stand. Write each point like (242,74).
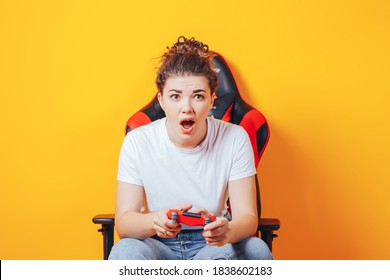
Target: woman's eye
(175,97)
(199,97)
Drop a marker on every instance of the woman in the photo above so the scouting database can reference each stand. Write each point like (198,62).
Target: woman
(187,161)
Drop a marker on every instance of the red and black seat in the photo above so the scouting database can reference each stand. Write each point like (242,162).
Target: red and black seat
(228,106)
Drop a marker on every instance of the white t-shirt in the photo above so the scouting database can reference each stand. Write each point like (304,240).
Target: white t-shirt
(172,176)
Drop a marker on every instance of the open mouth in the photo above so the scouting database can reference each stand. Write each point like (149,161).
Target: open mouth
(187,124)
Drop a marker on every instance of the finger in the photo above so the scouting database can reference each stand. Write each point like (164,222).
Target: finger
(171,225)
(163,232)
(171,228)
(214,240)
(165,221)
(215,235)
(219,222)
(219,243)
(183,207)
(211,234)
(158,225)
(204,211)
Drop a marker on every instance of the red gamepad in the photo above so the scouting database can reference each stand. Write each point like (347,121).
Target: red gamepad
(190,219)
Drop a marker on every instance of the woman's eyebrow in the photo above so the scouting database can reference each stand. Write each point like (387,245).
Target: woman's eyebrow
(199,90)
(175,90)
(180,91)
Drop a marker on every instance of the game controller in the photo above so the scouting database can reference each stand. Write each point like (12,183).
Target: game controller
(190,219)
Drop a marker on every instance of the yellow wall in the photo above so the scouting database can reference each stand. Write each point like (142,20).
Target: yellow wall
(72,72)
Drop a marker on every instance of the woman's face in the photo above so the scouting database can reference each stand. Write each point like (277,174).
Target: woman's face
(186,102)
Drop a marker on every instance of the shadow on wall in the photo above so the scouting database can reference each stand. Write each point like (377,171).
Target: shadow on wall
(295,188)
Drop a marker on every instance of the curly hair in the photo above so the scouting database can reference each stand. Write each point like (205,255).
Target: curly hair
(187,57)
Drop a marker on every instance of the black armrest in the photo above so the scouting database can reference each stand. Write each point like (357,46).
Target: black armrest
(107,221)
(267,226)
(104,219)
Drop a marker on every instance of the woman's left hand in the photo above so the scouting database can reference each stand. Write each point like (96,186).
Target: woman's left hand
(217,232)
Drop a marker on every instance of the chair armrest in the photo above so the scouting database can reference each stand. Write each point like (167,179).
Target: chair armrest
(104,219)
(107,221)
(267,226)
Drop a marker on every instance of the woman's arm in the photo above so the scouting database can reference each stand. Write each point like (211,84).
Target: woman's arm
(242,196)
(130,222)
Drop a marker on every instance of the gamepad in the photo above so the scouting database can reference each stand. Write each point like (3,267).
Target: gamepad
(190,219)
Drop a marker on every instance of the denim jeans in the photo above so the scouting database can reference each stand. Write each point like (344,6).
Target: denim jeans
(188,245)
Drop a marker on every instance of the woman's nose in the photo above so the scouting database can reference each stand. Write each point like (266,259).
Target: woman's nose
(186,106)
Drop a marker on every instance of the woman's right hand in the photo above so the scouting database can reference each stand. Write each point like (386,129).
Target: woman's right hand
(163,226)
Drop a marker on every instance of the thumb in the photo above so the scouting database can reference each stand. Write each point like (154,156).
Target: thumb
(184,207)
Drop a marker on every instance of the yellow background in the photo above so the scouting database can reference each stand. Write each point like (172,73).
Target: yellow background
(72,72)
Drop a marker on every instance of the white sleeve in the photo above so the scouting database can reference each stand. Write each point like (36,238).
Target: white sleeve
(128,162)
(243,162)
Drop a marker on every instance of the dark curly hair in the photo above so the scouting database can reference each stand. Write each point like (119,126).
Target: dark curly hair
(187,57)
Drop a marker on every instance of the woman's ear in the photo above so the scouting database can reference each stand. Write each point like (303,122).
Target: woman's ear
(213,97)
(159,97)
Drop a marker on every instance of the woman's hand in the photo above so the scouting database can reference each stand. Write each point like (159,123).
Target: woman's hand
(163,226)
(217,232)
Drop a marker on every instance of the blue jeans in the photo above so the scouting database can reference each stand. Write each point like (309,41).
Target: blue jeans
(188,245)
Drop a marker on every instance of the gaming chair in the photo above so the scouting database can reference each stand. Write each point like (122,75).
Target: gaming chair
(228,106)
